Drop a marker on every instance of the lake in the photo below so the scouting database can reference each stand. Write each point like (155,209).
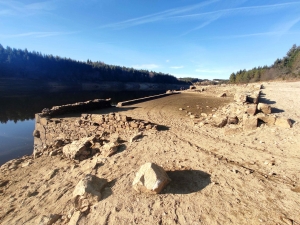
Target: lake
(18,109)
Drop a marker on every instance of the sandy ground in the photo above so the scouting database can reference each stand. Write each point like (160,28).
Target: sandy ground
(244,177)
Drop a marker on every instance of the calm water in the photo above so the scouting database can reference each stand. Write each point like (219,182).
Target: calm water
(18,109)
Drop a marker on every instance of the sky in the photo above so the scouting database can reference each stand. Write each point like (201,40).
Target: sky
(186,38)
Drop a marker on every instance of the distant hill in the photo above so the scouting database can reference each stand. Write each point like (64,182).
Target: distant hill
(286,68)
(17,63)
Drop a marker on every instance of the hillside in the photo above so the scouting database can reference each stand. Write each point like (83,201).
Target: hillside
(286,68)
(17,63)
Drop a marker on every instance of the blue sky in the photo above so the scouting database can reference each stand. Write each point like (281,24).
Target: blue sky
(186,38)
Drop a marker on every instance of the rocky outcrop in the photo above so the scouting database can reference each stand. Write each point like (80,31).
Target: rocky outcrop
(151,179)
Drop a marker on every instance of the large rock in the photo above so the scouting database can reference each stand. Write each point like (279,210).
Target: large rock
(220,121)
(78,148)
(249,122)
(110,148)
(265,108)
(89,187)
(283,122)
(251,109)
(150,178)
(254,97)
(267,119)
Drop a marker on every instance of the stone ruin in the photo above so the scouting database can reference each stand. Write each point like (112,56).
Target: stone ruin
(246,112)
(81,138)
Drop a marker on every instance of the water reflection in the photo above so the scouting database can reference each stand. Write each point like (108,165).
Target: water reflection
(18,109)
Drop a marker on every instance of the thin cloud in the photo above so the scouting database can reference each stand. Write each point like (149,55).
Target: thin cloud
(206,17)
(146,66)
(286,27)
(280,30)
(248,9)
(176,67)
(157,16)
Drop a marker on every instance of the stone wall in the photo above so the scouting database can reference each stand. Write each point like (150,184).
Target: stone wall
(53,133)
(76,107)
(139,100)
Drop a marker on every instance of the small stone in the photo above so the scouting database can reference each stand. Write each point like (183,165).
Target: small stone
(136,137)
(36,133)
(203,114)
(25,164)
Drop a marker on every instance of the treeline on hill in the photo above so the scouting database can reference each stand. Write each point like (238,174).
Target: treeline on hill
(286,68)
(17,63)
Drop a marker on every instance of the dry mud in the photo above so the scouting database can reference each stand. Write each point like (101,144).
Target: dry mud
(218,177)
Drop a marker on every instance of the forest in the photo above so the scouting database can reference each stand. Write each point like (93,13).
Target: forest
(286,68)
(17,63)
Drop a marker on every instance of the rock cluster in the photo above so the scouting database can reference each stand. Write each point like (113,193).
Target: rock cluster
(81,135)
(246,112)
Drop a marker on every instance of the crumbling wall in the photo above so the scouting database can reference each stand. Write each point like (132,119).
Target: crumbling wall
(57,132)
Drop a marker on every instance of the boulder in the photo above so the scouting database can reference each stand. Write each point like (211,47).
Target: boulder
(249,122)
(222,95)
(268,119)
(110,148)
(77,148)
(220,121)
(150,178)
(253,98)
(283,122)
(265,108)
(251,109)
(89,187)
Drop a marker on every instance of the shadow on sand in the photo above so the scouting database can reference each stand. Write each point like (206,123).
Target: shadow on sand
(186,181)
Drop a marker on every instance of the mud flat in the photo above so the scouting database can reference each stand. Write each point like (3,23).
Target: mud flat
(228,173)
